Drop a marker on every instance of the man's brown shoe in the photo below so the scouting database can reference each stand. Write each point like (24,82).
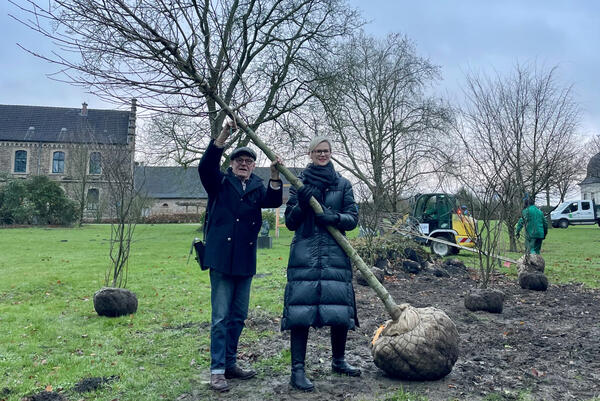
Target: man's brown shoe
(218,382)
(236,372)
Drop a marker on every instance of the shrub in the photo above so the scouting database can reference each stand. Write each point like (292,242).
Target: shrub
(36,200)
(372,249)
(15,208)
(174,218)
(50,202)
(269,217)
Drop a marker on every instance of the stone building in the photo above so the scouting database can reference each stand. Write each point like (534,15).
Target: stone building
(178,190)
(170,190)
(590,186)
(75,147)
(69,145)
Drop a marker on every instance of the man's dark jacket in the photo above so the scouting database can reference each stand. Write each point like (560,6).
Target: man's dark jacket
(319,291)
(234,215)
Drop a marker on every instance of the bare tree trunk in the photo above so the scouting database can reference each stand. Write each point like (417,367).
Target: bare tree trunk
(512,238)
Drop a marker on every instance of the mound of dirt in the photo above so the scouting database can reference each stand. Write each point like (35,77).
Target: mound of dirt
(93,383)
(45,396)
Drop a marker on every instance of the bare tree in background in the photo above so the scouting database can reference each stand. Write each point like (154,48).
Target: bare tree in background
(392,134)
(173,138)
(594,145)
(369,218)
(568,172)
(254,53)
(525,127)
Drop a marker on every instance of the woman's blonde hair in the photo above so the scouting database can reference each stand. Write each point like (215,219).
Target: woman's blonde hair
(316,141)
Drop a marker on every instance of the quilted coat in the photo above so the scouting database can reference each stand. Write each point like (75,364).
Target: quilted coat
(319,290)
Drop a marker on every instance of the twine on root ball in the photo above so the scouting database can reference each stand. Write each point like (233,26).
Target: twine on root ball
(422,344)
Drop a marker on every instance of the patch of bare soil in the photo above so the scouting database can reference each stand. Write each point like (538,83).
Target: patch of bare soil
(544,344)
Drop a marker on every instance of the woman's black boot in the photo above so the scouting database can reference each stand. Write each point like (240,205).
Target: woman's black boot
(338,349)
(298,340)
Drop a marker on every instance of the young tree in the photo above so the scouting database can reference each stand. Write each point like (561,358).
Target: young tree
(125,203)
(479,182)
(171,55)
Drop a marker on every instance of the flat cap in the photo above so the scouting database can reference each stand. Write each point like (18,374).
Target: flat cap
(244,150)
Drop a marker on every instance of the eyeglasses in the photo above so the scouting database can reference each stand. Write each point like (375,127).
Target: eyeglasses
(244,161)
(320,151)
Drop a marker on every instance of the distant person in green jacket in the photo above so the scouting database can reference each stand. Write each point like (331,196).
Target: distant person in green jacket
(536,226)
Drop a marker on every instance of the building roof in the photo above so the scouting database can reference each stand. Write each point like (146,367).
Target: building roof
(593,171)
(184,183)
(59,124)
(169,182)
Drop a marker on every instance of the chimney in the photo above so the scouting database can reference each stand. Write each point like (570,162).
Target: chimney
(63,134)
(30,132)
(84,109)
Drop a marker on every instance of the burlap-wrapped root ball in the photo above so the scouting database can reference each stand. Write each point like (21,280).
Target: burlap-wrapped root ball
(421,345)
(531,272)
(531,262)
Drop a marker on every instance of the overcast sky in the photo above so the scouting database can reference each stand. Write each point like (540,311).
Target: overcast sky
(459,36)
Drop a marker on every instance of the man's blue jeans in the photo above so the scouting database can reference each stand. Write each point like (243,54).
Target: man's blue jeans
(229,297)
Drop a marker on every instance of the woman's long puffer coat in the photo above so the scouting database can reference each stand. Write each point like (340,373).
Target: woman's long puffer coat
(319,291)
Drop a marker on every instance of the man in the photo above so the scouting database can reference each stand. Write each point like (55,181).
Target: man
(536,226)
(235,199)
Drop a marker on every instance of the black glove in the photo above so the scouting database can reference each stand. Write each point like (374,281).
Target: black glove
(304,195)
(328,218)
(518,236)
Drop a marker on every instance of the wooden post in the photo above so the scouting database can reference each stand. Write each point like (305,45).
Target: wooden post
(277,222)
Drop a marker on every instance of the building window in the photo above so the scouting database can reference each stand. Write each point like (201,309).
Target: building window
(58,162)
(93,199)
(95,163)
(20,161)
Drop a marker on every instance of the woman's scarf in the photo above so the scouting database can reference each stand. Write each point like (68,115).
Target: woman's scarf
(321,178)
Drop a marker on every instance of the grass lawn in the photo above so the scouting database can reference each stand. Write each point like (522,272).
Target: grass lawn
(51,337)
(572,255)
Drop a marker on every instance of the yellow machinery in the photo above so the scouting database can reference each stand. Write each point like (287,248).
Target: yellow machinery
(437,215)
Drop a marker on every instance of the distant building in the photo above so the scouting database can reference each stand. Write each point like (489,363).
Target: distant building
(66,144)
(590,186)
(171,190)
(178,190)
(70,146)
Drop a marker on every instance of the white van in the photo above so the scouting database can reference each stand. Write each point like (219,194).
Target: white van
(575,212)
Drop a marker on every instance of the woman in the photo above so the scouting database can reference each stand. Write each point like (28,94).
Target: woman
(319,291)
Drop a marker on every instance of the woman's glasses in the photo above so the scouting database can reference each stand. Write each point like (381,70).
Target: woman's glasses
(320,151)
